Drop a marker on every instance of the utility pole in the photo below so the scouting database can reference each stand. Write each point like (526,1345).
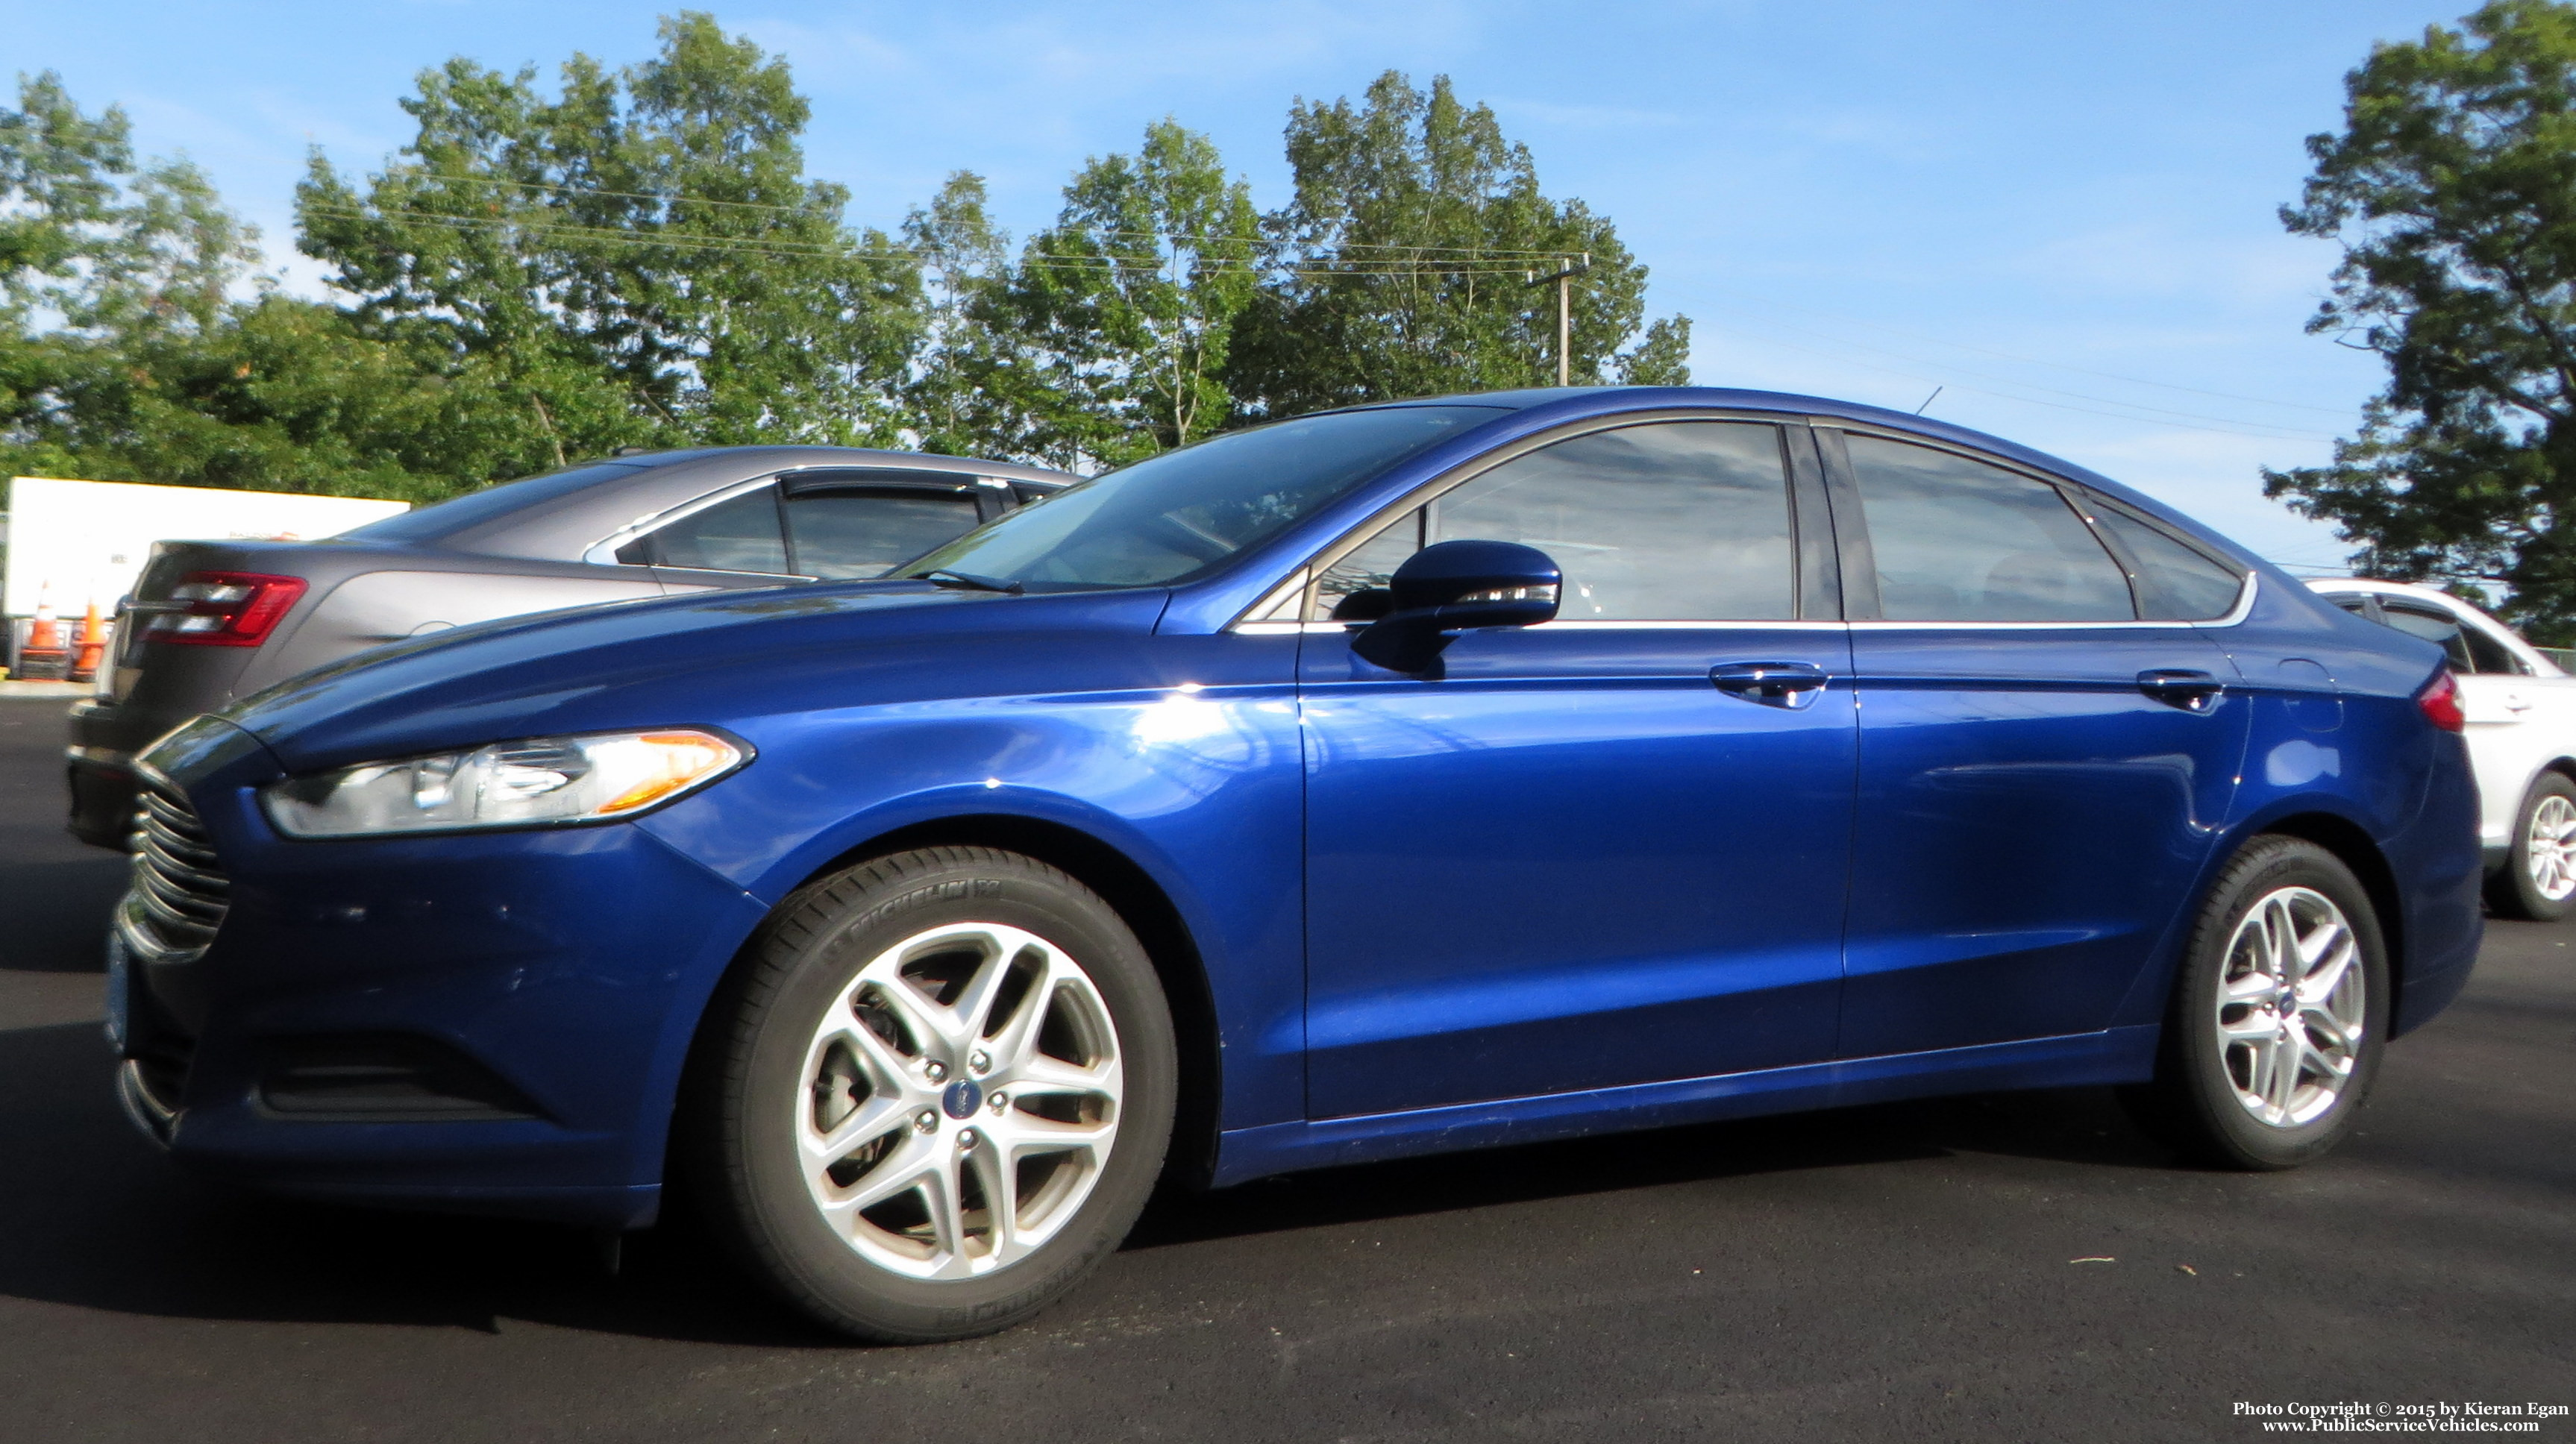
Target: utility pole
(1564,280)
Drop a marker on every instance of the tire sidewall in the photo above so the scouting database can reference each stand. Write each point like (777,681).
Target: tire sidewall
(2237,1136)
(833,1279)
(2525,900)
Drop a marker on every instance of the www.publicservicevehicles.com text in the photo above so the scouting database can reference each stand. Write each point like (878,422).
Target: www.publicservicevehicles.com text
(2358,1416)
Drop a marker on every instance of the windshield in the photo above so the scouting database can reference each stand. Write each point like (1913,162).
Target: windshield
(447,518)
(1184,512)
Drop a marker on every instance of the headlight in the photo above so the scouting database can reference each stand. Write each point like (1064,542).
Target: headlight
(531,783)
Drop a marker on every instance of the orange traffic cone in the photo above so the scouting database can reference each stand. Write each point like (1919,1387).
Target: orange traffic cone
(93,646)
(42,658)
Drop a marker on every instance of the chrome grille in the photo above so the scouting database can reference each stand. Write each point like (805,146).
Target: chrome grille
(180,893)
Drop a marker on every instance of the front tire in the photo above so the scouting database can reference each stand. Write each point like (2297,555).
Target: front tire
(934,1095)
(2538,883)
(2278,1017)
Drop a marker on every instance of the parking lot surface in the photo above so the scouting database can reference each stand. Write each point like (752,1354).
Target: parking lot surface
(2014,1267)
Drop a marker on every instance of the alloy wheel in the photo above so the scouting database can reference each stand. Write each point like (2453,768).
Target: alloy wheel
(2290,1013)
(2550,848)
(959,1101)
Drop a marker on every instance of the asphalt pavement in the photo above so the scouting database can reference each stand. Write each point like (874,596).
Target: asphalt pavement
(1999,1268)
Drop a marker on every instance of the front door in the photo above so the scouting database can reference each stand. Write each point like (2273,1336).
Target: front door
(2043,763)
(1573,860)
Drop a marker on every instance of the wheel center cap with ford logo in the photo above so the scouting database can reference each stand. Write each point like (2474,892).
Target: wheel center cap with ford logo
(962,1098)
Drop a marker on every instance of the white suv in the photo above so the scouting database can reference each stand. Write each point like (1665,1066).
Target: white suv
(2522,738)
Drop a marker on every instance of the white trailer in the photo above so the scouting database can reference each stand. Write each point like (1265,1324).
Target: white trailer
(87,540)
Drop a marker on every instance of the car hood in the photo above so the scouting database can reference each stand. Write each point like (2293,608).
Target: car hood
(708,659)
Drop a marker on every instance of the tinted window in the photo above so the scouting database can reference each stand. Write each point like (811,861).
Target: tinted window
(2469,649)
(2491,655)
(1680,521)
(2352,602)
(740,535)
(1368,566)
(447,518)
(1181,513)
(845,534)
(2182,584)
(1960,541)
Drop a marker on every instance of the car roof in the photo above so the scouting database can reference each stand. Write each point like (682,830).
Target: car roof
(2417,590)
(595,499)
(2374,584)
(1581,401)
(792,456)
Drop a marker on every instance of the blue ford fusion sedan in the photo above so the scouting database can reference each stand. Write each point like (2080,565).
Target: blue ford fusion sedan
(1400,779)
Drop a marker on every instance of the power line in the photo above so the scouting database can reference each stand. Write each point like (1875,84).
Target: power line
(2036,361)
(774,246)
(1499,253)
(2238,424)
(2276,434)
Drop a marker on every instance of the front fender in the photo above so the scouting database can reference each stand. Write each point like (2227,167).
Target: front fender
(1199,788)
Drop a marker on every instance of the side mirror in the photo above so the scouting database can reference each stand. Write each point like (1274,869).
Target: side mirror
(1458,586)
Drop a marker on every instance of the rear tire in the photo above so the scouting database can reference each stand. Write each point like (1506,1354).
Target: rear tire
(934,1094)
(2279,1014)
(2538,883)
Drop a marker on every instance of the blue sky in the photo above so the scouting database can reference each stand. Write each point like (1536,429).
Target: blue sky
(2062,214)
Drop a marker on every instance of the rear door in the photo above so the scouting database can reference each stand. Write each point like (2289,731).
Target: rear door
(2042,767)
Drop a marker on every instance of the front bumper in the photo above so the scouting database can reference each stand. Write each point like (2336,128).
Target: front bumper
(493,1022)
(99,767)
(102,795)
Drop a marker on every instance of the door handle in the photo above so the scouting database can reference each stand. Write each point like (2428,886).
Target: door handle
(2181,687)
(2516,702)
(1773,684)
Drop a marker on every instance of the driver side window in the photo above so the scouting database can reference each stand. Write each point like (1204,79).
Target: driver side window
(1674,521)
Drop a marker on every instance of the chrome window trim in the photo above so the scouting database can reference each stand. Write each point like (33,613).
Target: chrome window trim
(604,551)
(1284,600)
(1601,624)
(1567,624)
(2234,616)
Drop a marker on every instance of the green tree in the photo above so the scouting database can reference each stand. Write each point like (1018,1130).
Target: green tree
(117,307)
(1406,256)
(963,394)
(141,343)
(1661,357)
(2452,188)
(639,259)
(1127,304)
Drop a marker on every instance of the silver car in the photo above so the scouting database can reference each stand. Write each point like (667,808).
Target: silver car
(213,620)
(2521,708)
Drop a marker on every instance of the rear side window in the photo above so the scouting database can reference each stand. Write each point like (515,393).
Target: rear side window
(736,535)
(1961,541)
(2181,584)
(848,534)
(2469,649)
(1676,521)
